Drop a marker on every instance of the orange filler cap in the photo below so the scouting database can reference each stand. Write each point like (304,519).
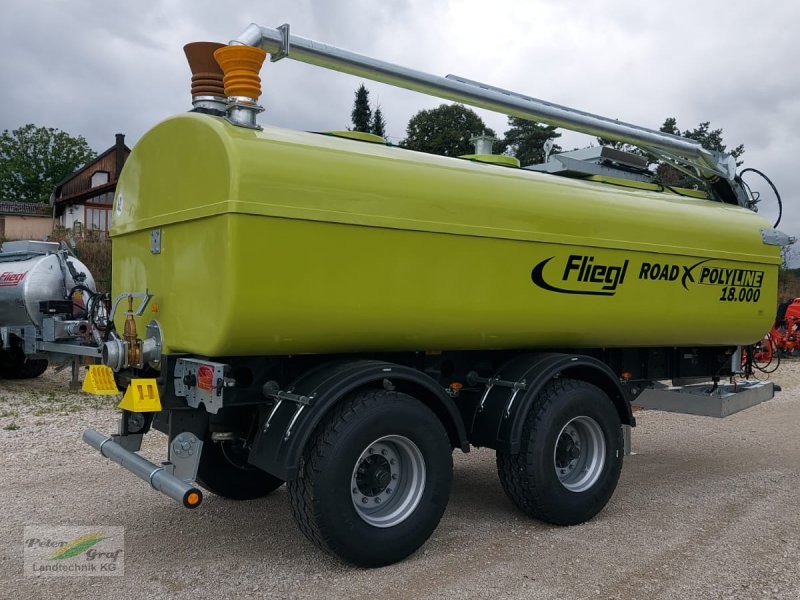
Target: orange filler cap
(241,65)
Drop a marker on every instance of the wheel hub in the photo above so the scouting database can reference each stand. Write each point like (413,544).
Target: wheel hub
(568,449)
(388,481)
(579,454)
(373,475)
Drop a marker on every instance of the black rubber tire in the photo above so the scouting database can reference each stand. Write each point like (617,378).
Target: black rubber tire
(32,368)
(15,365)
(225,476)
(529,478)
(321,496)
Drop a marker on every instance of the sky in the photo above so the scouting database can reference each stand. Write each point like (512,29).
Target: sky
(97,68)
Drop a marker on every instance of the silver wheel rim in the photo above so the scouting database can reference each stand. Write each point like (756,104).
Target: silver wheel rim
(580,454)
(387,481)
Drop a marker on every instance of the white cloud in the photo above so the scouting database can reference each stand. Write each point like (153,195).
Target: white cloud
(98,68)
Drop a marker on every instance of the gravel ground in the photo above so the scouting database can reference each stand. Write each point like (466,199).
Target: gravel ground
(706,508)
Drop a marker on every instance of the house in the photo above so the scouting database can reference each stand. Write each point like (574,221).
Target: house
(25,220)
(82,201)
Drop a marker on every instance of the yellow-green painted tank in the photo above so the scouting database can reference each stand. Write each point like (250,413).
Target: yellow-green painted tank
(280,242)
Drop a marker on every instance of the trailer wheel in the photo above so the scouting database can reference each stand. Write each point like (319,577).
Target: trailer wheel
(571,454)
(15,365)
(375,479)
(224,471)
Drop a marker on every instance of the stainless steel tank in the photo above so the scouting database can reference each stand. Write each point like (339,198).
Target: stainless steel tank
(35,272)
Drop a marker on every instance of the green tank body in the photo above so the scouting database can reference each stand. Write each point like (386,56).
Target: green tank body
(278,242)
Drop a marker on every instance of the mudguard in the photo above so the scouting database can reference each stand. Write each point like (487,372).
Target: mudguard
(500,415)
(284,430)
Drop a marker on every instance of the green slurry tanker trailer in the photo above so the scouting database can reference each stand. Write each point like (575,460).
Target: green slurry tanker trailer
(329,312)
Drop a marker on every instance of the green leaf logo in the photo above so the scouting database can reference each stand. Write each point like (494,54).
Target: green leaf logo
(78,546)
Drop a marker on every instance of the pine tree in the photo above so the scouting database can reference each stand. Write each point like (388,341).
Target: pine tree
(666,174)
(362,113)
(525,140)
(378,123)
(711,139)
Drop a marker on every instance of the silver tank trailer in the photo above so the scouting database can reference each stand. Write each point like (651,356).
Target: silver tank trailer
(34,272)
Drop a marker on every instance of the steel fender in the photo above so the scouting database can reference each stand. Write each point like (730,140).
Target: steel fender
(278,448)
(499,424)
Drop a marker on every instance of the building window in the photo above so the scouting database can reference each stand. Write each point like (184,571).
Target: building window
(107,198)
(99,178)
(98,217)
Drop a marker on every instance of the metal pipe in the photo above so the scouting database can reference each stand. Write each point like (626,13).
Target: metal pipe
(279,44)
(156,475)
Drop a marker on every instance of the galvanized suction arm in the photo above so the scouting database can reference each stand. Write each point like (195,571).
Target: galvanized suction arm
(678,150)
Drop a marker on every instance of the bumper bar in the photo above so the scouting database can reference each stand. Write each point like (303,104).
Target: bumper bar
(156,475)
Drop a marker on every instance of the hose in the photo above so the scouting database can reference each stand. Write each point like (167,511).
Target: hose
(774,189)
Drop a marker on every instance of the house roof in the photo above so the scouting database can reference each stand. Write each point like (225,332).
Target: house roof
(73,195)
(27,209)
(89,164)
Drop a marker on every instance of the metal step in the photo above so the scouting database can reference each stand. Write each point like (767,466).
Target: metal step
(705,400)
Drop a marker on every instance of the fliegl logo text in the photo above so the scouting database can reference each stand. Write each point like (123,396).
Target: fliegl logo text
(580,274)
(9,278)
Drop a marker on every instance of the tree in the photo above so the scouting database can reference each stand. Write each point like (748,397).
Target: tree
(525,140)
(362,113)
(378,123)
(362,116)
(711,139)
(34,159)
(445,130)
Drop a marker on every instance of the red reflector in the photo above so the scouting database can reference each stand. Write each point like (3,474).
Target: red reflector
(205,378)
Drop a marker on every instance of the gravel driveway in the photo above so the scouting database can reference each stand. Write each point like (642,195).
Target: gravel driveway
(705,509)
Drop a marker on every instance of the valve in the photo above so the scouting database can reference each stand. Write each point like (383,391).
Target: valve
(131,337)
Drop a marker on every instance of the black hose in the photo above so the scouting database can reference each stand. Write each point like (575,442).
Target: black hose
(774,189)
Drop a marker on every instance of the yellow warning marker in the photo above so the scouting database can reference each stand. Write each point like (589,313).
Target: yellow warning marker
(141,396)
(100,381)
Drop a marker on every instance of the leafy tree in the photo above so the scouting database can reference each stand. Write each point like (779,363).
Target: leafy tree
(34,159)
(378,123)
(362,113)
(525,140)
(445,130)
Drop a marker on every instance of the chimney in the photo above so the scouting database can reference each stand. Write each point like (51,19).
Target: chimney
(120,153)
